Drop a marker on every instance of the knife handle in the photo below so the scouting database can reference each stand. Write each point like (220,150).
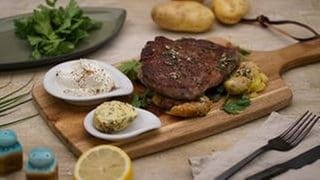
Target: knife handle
(269,172)
(237,167)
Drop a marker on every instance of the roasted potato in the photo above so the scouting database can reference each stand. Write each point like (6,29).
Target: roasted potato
(230,11)
(192,109)
(247,79)
(183,16)
(237,85)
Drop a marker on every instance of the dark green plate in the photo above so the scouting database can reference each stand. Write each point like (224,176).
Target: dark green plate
(16,53)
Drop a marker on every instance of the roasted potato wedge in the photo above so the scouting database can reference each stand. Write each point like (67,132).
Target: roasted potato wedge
(192,109)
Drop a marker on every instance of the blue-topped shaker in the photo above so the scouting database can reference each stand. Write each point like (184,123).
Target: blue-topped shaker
(11,156)
(41,164)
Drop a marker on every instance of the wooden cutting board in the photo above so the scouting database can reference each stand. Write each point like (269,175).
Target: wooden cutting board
(66,120)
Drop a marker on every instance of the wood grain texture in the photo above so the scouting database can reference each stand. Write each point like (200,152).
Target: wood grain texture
(66,120)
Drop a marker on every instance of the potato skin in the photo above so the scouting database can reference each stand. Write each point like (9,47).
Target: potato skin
(183,16)
(230,11)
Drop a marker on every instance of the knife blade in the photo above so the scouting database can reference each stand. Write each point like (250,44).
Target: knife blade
(297,162)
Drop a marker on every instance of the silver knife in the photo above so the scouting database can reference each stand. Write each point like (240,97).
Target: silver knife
(297,162)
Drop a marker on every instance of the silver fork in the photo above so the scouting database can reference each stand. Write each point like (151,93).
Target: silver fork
(289,139)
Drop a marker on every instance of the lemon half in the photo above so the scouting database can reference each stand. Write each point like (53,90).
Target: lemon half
(104,162)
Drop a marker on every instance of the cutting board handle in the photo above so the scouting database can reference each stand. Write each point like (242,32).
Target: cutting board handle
(298,54)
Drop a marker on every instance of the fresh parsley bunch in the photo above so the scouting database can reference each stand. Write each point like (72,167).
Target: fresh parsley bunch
(54,31)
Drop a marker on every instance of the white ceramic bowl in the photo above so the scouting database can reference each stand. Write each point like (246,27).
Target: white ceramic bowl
(145,121)
(123,85)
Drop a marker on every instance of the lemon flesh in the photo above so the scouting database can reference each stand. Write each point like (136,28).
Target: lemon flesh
(104,163)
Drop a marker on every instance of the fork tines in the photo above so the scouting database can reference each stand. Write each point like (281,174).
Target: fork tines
(296,132)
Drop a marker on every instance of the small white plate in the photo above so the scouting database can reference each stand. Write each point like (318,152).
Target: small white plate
(123,85)
(145,121)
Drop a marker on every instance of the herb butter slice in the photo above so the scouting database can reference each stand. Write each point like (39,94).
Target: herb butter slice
(113,116)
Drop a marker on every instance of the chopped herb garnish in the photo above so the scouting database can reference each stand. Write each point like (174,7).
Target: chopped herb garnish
(141,100)
(54,31)
(130,69)
(235,105)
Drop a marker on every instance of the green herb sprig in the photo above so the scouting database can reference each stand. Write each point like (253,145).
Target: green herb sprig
(244,53)
(130,69)
(216,93)
(235,105)
(142,100)
(54,31)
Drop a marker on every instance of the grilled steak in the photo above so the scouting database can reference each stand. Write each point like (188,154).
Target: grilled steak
(184,69)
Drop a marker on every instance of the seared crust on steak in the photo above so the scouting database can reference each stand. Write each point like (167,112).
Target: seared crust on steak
(166,103)
(184,69)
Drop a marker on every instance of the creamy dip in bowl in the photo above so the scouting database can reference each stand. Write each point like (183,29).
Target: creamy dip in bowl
(86,82)
(85,78)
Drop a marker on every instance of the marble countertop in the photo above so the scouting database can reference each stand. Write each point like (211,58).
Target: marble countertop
(139,28)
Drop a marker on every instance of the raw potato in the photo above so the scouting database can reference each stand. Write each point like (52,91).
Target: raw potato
(184,16)
(230,11)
